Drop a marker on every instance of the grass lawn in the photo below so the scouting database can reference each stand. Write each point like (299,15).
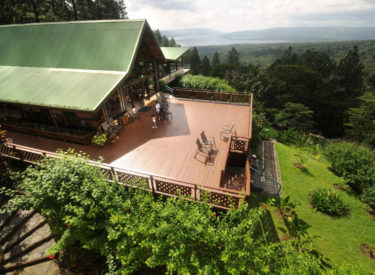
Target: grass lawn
(339,238)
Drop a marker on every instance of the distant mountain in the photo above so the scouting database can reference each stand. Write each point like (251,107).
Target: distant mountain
(200,37)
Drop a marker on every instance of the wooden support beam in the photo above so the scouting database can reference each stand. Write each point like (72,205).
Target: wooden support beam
(54,120)
(156,75)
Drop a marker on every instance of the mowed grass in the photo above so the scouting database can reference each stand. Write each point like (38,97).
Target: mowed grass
(339,238)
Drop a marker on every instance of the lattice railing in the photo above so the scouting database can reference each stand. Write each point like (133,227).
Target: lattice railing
(158,185)
(239,144)
(170,188)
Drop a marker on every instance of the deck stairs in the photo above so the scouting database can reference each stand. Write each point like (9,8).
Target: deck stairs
(24,237)
(266,172)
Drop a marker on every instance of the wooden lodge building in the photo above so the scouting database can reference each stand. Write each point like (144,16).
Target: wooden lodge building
(62,80)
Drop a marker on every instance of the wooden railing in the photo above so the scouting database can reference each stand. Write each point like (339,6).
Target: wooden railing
(148,182)
(239,144)
(85,139)
(212,95)
(172,76)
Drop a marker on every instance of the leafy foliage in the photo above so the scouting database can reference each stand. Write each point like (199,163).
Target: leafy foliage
(328,202)
(205,83)
(361,120)
(99,139)
(355,163)
(297,116)
(215,59)
(132,229)
(162,85)
(25,11)
(368,196)
(233,57)
(195,61)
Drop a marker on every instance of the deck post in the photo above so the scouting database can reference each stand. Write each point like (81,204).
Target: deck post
(152,184)
(54,120)
(195,192)
(113,173)
(156,75)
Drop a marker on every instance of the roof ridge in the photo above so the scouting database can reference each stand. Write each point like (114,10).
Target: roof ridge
(75,22)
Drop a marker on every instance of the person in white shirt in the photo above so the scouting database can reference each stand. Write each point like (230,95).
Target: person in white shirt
(157,107)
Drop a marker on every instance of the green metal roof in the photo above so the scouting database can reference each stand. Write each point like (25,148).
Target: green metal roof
(173,53)
(69,65)
(92,45)
(74,90)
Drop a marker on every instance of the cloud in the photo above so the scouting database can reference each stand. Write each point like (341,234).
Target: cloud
(164,5)
(237,15)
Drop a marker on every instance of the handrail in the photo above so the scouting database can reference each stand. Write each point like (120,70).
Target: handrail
(155,183)
(278,184)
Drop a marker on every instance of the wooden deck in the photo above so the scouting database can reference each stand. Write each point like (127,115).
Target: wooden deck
(168,151)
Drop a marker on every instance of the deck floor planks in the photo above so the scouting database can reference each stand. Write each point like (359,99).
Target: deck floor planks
(169,150)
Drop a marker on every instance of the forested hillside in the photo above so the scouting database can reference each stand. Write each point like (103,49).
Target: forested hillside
(28,11)
(264,55)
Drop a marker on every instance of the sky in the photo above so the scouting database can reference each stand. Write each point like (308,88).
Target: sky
(237,15)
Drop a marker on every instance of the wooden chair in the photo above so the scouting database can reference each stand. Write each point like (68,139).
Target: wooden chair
(208,141)
(203,150)
(226,130)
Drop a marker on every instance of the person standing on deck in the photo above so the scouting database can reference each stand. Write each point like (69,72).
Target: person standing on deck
(154,122)
(157,107)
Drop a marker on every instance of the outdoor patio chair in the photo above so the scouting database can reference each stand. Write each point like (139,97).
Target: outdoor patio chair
(208,140)
(106,127)
(203,150)
(226,130)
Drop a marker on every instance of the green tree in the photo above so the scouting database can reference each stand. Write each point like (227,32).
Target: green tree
(164,41)
(215,59)
(205,66)
(360,124)
(158,36)
(172,43)
(350,79)
(371,81)
(134,230)
(195,61)
(26,11)
(296,116)
(233,57)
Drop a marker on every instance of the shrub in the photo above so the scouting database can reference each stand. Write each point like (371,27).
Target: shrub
(368,196)
(328,202)
(355,163)
(99,139)
(289,136)
(162,85)
(133,230)
(205,83)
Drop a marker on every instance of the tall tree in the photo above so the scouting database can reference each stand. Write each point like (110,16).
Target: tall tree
(350,74)
(26,11)
(164,41)
(205,67)
(360,124)
(233,57)
(195,61)
(172,43)
(158,36)
(296,116)
(215,59)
